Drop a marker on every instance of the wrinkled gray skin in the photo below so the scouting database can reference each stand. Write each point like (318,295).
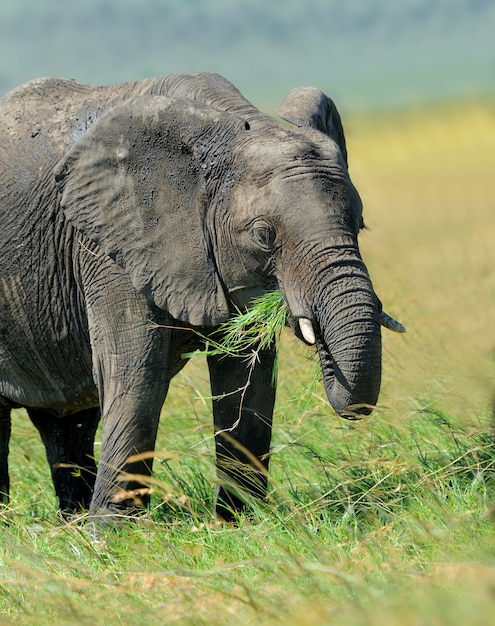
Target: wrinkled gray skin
(130,214)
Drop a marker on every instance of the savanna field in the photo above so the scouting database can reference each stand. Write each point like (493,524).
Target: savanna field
(382,522)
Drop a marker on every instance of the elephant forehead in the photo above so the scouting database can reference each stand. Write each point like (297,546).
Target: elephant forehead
(293,180)
(293,155)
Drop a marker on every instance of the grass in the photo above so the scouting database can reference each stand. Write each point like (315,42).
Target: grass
(388,520)
(363,520)
(251,331)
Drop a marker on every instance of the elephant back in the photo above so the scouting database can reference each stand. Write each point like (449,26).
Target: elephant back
(207,88)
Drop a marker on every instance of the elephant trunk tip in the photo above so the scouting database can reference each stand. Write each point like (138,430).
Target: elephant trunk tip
(353,399)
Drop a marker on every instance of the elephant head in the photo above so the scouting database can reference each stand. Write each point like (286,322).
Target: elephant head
(207,208)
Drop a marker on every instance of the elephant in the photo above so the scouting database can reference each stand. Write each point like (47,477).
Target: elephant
(138,218)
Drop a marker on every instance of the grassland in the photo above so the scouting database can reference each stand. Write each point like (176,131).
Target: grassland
(386,521)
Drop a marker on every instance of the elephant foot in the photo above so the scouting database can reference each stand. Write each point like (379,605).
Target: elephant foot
(123,505)
(230,505)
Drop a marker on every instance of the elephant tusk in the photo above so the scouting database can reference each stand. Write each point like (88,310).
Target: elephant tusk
(307,331)
(391,324)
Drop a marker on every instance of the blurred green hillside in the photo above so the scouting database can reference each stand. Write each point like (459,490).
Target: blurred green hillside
(366,53)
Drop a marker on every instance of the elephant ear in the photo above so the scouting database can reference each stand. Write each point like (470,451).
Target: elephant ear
(135,183)
(308,107)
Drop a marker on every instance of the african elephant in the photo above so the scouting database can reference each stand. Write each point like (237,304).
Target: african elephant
(133,216)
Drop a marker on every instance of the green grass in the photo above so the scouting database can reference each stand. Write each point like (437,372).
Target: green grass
(251,330)
(364,520)
(385,521)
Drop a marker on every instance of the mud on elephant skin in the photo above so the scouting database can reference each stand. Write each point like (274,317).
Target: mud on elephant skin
(133,213)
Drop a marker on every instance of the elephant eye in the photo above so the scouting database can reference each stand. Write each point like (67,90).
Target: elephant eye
(263,234)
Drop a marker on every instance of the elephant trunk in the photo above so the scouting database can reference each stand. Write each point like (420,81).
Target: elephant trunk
(351,366)
(346,330)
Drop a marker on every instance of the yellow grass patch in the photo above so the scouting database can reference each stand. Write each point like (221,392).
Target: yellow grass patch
(426,179)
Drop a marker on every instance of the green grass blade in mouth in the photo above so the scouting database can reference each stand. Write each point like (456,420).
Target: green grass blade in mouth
(250,331)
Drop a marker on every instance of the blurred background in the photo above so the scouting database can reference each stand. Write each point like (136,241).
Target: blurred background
(414,81)
(368,53)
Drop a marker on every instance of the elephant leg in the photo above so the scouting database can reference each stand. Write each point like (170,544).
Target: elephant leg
(69,443)
(243,400)
(131,357)
(5,428)
(126,461)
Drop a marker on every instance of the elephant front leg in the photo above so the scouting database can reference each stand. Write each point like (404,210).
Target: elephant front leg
(243,400)
(129,431)
(131,351)
(133,386)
